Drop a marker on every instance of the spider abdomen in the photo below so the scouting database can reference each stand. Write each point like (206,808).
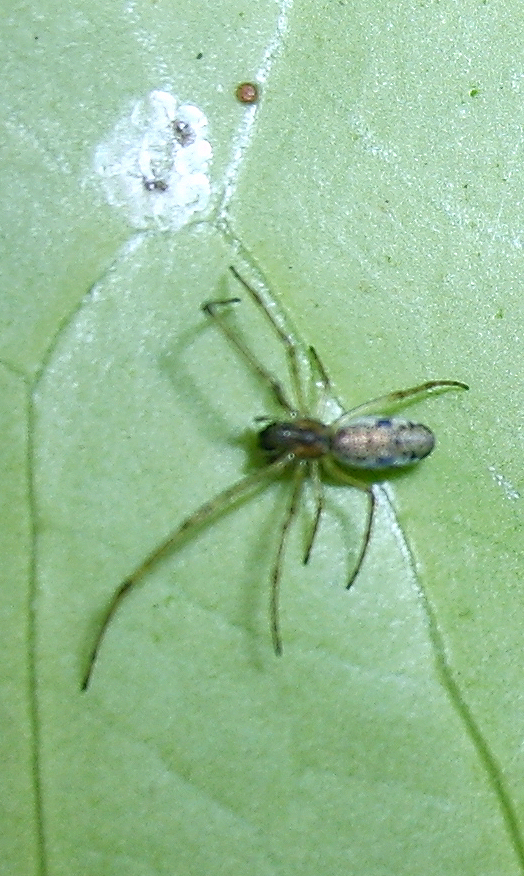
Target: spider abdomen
(381,442)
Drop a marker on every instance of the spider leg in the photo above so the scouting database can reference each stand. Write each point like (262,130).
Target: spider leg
(319,505)
(366,537)
(341,475)
(189,527)
(212,309)
(277,568)
(292,350)
(325,382)
(399,395)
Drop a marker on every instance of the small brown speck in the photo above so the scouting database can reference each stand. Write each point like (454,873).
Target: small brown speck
(247,92)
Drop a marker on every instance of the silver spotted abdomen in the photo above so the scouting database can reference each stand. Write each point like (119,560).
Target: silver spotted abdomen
(381,442)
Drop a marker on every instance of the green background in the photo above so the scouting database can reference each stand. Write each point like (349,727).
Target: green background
(379,187)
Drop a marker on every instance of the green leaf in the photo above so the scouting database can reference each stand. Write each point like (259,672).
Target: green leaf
(377,185)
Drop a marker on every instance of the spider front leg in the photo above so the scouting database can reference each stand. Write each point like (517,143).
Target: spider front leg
(324,380)
(213,310)
(221,503)
(284,335)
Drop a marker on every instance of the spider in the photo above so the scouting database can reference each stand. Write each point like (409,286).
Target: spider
(354,441)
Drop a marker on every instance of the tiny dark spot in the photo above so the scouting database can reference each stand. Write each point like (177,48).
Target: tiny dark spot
(183,132)
(384,422)
(155,185)
(200,56)
(473,92)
